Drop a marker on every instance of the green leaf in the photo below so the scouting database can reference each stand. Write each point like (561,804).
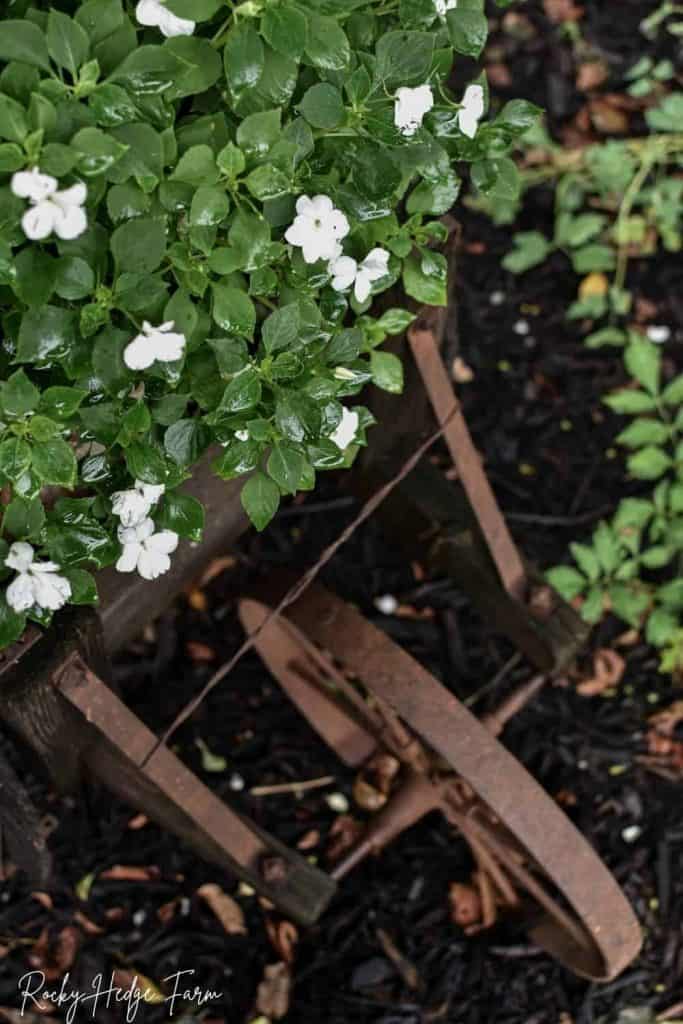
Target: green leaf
(201,65)
(285,29)
(15,458)
(97,151)
(427,288)
(649,463)
(587,561)
(12,624)
(593,258)
(242,393)
(243,59)
(566,581)
(233,310)
(643,361)
(468,31)
(35,276)
(327,47)
(497,179)
(195,10)
(13,120)
(24,518)
(61,402)
(673,392)
(280,330)
(661,628)
(628,603)
(286,467)
(186,441)
(642,432)
(231,161)
(18,395)
(268,182)
(258,132)
(668,116)
(387,371)
(45,334)
(241,457)
(297,416)
(146,463)
(183,514)
(530,249)
(67,42)
(260,499)
(404,58)
(75,278)
(83,586)
(23,41)
(627,402)
(435,197)
(55,463)
(139,245)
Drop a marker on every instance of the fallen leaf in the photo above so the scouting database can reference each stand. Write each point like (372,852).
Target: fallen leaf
(226,909)
(210,762)
(272,998)
(606,116)
(593,284)
(86,925)
(560,11)
(608,668)
(216,568)
(138,822)
(465,904)
(665,721)
(44,899)
(199,652)
(284,937)
(461,372)
(309,841)
(591,75)
(197,599)
(130,873)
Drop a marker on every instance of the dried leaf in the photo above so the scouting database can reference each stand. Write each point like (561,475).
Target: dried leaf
(130,873)
(608,668)
(138,822)
(591,75)
(560,11)
(593,284)
(272,998)
(284,937)
(226,909)
(465,904)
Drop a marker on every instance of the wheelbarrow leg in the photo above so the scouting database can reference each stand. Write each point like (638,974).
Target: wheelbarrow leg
(172,795)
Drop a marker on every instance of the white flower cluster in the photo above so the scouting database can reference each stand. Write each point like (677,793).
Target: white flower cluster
(155,14)
(50,210)
(412,105)
(144,549)
(37,584)
(442,6)
(154,344)
(318,230)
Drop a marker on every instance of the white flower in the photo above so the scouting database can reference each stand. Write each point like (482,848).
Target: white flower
(155,14)
(50,210)
(410,108)
(154,344)
(346,272)
(445,5)
(318,228)
(242,435)
(471,111)
(145,550)
(135,504)
(36,583)
(347,429)
(658,333)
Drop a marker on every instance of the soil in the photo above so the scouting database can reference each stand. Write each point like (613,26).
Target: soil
(534,409)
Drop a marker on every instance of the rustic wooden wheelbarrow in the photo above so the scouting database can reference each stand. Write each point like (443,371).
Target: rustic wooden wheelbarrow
(56,695)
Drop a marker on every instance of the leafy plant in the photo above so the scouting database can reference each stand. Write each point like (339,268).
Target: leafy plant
(614,201)
(198,200)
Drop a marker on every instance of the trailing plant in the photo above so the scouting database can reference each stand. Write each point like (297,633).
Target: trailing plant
(614,201)
(198,201)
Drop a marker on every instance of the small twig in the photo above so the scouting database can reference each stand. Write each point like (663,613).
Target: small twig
(302,584)
(500,675)
(405,967)
(495,721)
(292,787)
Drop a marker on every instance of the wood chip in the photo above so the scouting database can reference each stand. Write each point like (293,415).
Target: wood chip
(608,669)
(226,909)
(272,999)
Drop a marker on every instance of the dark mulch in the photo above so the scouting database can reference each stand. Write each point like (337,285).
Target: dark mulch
(535,412)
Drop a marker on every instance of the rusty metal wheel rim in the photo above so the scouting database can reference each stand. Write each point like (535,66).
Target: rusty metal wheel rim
(320,620)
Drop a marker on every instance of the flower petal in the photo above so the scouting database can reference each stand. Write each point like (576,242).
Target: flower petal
(70,222)
(152,564)
(165,542)
(148,13)
(168,347)
(344,272)
(74,196)
(33,185)
(363,286)
(39,221)
(130,506)
(20,556)
(171,25)
(346,431)
(128,562)
(321,206)
(140,354)
(51,591)
(20,594)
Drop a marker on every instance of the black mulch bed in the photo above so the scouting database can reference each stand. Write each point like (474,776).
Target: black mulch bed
(534,409)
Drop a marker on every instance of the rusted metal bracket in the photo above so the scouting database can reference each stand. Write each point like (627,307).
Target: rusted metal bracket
(523,844)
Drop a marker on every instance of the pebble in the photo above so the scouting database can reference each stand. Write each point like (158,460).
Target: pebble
(337,802)
(521,327)
(659,333)
(631,833)
(386,604)
(236,782)
(139,918)
(497,298)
